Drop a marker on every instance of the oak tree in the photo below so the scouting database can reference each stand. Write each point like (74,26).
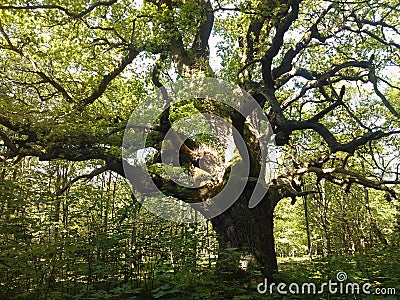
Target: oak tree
(324,72)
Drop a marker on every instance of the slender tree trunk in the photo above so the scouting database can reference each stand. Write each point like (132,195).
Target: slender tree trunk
(374,226)
(324,215)
(307,227)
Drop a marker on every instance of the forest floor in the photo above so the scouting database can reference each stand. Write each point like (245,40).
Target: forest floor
(372,275)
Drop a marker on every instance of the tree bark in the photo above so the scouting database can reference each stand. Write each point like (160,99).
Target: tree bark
(248,230)
(306,218)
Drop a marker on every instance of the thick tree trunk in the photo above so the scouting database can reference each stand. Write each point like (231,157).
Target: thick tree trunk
(248,230)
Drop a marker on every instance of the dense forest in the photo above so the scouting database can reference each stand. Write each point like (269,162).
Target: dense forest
(199,149)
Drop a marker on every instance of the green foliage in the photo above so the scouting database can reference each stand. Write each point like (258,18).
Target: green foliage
(379,267)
